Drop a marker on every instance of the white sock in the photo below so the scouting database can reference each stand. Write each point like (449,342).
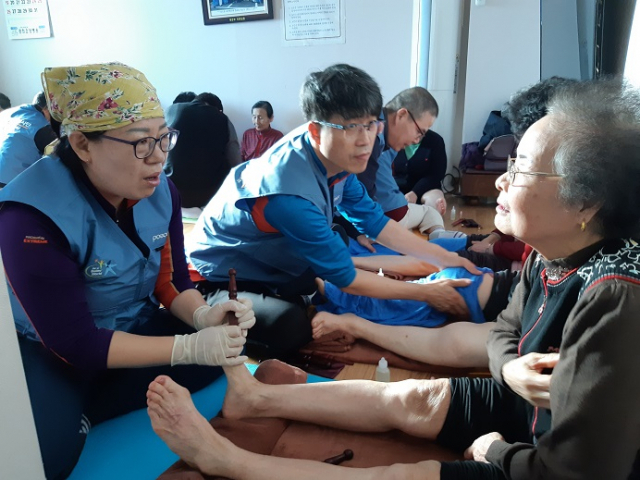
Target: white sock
(442,233)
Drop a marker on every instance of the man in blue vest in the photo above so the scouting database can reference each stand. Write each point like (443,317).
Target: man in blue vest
(271,218)
(24,133)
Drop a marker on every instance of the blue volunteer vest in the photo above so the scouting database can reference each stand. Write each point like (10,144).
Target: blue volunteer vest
(119,280)
(18,151)
(388,194)
(226,235)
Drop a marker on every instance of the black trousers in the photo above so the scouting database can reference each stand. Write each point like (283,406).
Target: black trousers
(67,401)
(480,406)
(282,325)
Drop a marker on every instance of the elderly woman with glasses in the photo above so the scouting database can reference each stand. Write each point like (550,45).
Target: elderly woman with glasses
(92,245)
(562,402)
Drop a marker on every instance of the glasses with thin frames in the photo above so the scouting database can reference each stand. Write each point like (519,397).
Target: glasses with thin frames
(355,129)
(144,147)
(421,133)
(512,171)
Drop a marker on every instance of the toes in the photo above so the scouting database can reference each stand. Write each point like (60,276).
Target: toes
(153,398)
(157,388)
(171,386)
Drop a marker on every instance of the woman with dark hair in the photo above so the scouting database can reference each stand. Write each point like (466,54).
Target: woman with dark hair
(562,402)
(92,245)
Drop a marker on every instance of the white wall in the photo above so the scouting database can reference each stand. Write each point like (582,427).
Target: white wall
(241,63)
(503,56)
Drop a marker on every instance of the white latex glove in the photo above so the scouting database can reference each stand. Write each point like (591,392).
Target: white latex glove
(206,316)
(219,345)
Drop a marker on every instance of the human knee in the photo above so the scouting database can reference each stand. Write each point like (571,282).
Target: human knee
(430,218)
(431,197)
(423,399)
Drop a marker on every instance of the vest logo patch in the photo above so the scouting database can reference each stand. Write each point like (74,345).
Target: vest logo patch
(161,236)
(24,124)
(100,269)
(35,239)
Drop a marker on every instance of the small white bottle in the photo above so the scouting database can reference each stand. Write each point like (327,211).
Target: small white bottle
(382,371)
(380,273)
(453,213)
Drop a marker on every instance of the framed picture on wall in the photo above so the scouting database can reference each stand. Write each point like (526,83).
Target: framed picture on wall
(234,11)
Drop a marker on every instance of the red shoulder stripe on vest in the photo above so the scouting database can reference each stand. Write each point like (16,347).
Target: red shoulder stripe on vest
(257,213)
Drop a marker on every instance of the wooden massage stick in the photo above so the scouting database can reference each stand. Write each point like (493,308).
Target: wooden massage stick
(338,459)
(233,295)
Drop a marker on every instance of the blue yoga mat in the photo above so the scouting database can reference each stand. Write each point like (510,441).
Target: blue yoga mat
(126,447)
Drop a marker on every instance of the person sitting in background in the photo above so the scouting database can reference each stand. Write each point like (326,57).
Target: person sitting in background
(561,402)
(5,103)
(233,146)
(407,117)
(419,170)
(198,164)
(258,140)
(25,131)
(184,97)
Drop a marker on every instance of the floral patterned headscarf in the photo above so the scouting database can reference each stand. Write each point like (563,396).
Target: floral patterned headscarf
(99,97)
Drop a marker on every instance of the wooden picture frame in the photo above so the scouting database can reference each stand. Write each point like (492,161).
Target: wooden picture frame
(234,11)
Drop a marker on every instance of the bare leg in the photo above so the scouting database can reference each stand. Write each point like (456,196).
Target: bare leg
(176,420)
(435,198)
(461,344)
(417,407)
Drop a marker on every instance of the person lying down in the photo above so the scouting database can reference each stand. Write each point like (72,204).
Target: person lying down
(485,297)
(453,344)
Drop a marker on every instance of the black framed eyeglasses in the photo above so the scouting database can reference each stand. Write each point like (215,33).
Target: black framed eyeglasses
(144,147)
(354,129)
(512,171)
(421,133)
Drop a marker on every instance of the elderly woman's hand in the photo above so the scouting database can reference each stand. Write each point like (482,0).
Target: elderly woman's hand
(479,448)
(482,247)
(524,376)
(442,295)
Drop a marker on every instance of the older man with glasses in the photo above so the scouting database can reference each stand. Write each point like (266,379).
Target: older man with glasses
(271,219)
(408,117)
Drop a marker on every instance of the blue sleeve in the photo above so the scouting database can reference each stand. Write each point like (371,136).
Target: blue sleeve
(356,206)
(305,226)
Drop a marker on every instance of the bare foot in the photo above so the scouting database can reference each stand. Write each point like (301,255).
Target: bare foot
(176,421)
(240,399)
(324,323)
(441,206)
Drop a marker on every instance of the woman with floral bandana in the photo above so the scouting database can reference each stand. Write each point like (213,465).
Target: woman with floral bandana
(92,245)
